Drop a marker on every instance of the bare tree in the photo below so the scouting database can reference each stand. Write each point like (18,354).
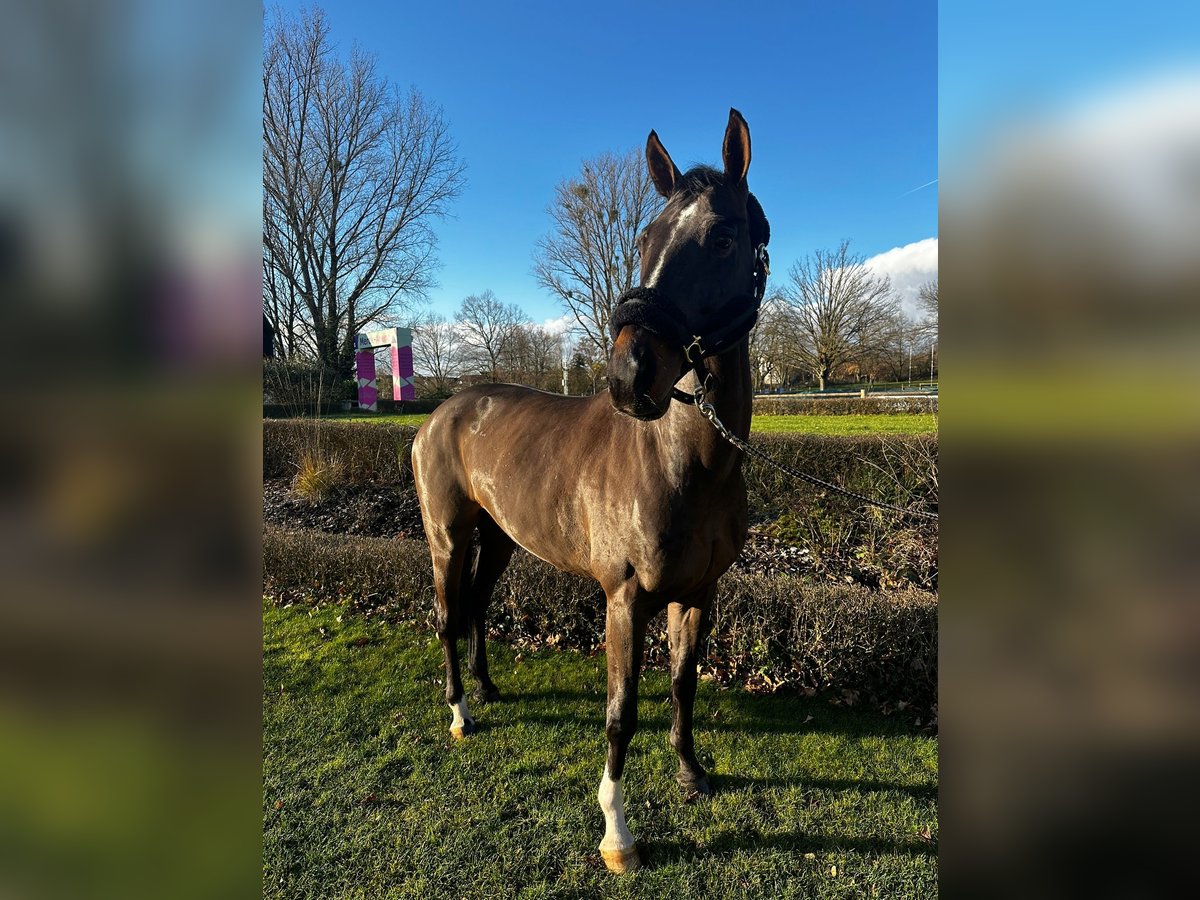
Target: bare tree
(927,306)
(354,175)
(488,327)
(437,353)
(591,258)
(841,313)
(771,341)
(533,356)
(281,304)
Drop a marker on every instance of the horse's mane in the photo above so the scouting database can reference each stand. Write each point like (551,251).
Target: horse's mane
(698,178)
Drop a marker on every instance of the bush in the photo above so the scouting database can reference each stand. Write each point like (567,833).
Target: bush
(769,632)
(860,644)
(317,475)
(406,407)
(877,548)
(304,387)
(381,454)
(894,468)
(843,406)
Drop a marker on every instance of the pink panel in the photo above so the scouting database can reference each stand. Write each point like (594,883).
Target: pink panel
(364,365)
(402,367)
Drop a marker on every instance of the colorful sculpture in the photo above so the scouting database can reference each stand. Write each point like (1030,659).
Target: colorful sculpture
(399,341)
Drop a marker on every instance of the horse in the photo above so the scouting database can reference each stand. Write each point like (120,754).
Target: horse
(631,487)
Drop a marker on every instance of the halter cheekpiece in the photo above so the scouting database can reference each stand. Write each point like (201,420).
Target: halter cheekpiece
(653,310)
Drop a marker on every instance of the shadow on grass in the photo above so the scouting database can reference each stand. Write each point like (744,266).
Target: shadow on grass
(723,783)
(739,712)
(664,852)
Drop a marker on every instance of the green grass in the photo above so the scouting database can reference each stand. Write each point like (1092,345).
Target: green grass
(916,384)
(366,795)
(381,418)
(922,423)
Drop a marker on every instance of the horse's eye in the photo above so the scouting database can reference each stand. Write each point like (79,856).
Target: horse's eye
(723,242)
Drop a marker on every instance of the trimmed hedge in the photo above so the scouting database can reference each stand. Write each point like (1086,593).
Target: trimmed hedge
(291,410)
(875,547)
(374,453)
(382,454)
(872,404)
(399,407)
(303,385)
(409,407)
(769,632)
(893,468)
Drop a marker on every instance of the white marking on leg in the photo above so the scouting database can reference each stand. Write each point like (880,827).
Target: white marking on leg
(612,801)
(460,713)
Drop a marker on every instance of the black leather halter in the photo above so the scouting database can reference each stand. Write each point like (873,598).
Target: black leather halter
(653,310)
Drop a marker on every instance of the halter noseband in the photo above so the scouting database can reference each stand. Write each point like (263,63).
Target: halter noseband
(653,310)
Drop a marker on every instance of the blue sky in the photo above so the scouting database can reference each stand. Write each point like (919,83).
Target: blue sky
(1028,59)
(841,99)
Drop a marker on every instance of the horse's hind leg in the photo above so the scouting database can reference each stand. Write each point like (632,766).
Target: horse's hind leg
(495,551)
(448,546)
(688,624)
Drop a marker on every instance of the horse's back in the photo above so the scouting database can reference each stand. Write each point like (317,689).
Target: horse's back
(518,454)
(495,417)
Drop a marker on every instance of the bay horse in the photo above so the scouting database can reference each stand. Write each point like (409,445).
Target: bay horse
(627,487)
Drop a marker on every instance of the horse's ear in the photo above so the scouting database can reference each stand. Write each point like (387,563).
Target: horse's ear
(736,151)
(663,171)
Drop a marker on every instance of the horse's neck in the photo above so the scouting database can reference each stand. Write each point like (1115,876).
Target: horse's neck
(734,393)
(731,395)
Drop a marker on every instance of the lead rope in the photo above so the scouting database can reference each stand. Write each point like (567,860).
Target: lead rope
(709,412)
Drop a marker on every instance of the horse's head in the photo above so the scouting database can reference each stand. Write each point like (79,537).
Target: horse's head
(698,263)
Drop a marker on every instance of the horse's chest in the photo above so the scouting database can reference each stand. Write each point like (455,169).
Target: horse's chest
(680,549)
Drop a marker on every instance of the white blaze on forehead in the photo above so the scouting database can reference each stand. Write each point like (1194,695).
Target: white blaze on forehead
(612,801)
(678,229)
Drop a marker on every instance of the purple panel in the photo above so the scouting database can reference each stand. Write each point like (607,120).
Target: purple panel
(364,365)
(402,366)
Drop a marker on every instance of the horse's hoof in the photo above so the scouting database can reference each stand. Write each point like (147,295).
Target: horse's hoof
(622,861)
(467,728)
(489,694)
(694,788)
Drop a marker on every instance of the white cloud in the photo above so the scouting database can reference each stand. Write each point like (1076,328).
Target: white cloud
(559,325)
(908,267)
(1108,188)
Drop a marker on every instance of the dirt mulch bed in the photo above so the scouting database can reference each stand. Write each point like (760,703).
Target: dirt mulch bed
(386,511)
(392,511)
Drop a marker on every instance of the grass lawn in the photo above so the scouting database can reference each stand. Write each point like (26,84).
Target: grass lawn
(917,384)
(414,419)
(366,795)
(922,423)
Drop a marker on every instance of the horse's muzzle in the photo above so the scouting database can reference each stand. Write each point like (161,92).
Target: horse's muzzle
(642,371)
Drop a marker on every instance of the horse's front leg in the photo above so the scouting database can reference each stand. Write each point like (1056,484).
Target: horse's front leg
(688,624)
(625,632)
